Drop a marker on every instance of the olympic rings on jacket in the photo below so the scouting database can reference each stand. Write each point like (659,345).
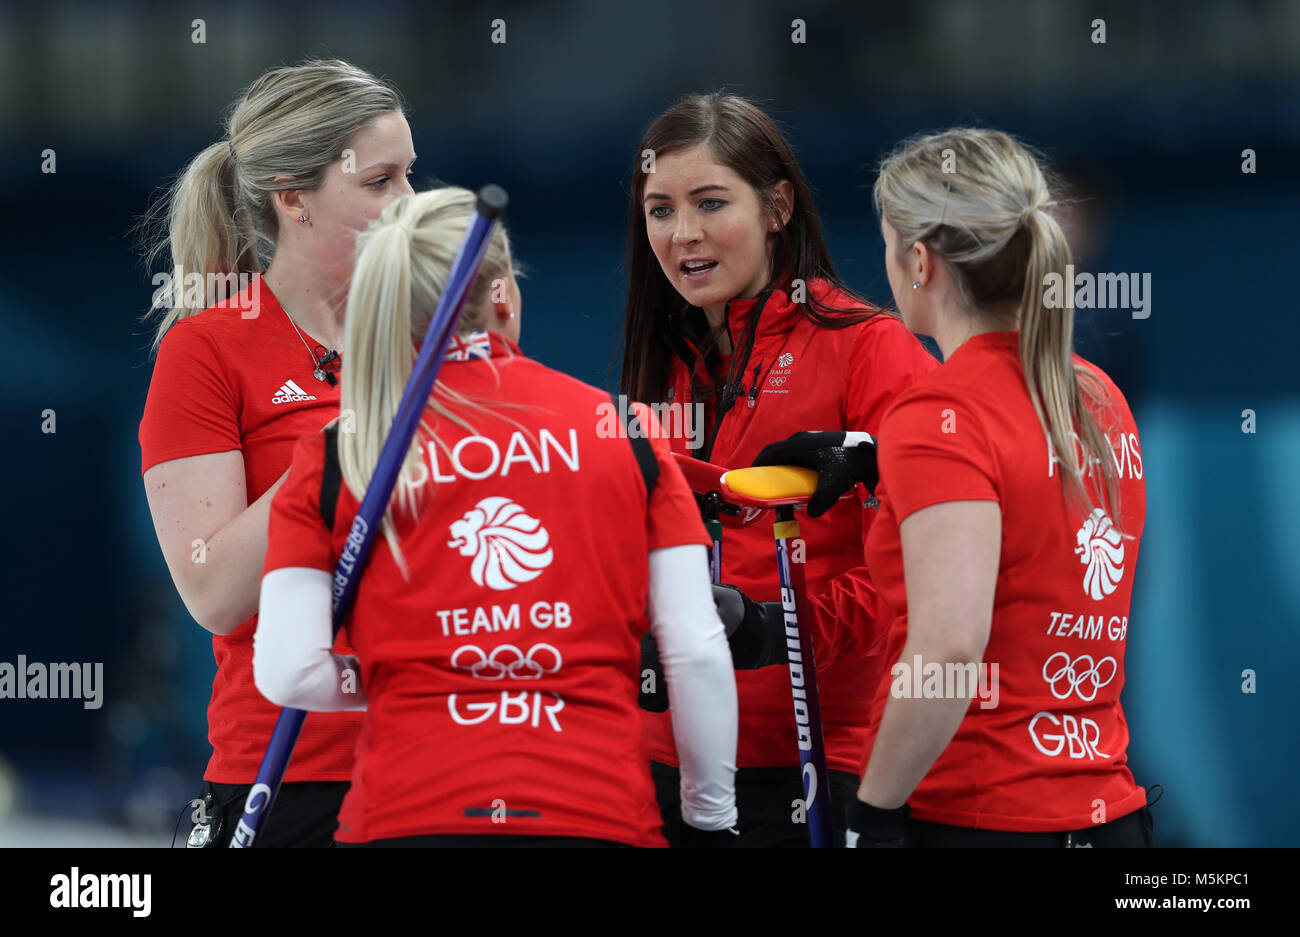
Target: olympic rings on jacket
(506,660)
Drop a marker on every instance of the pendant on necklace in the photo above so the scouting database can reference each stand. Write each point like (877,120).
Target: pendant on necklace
(319,374)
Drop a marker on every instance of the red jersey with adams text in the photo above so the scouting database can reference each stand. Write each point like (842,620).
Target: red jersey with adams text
(502,678)
(1043,747)
(237,377)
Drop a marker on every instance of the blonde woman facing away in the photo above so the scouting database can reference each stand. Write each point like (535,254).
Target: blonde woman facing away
(527,551)
(1012,497)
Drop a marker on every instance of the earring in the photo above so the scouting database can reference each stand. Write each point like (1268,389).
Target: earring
(916,284)
(302,219)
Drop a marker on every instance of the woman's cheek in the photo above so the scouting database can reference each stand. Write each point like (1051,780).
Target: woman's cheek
(659,244)
(371,212)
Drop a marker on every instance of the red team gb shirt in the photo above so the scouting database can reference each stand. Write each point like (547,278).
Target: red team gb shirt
(800,376)
(236,377)
(1047,752)
(502,679)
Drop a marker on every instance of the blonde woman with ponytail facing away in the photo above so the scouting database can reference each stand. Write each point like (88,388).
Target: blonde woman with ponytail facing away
(270,214)
(1012,495)
(528,546)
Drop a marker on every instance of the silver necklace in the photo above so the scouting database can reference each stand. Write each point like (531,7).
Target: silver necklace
(324,363)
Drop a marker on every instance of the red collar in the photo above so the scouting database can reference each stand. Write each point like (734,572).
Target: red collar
(777,313)
(777,316)
(773,308)
(1009,340)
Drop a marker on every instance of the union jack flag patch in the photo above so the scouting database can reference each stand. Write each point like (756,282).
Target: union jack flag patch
(465,347)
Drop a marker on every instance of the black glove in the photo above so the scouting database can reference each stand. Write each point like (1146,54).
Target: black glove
(691,838)
(840,459)
(878,828)
(755,630)
(755,634)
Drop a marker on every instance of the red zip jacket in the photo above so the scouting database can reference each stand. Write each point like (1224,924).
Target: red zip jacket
(794,375)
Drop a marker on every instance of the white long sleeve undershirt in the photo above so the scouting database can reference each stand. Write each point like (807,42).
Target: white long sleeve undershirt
(293,661)
(293,665)
(701,683)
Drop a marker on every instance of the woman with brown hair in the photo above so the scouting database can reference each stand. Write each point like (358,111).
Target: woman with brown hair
(735,312)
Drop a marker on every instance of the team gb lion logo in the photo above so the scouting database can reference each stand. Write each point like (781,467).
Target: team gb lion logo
(509,546)
(1101,549)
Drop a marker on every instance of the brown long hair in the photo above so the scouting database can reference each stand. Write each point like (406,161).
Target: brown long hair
(742,137)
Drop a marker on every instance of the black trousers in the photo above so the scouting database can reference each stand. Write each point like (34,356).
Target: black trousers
(1128,832)
(766,803)
(486,841)
(305,813)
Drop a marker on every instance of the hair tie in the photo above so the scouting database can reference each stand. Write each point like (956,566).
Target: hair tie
(1035,208)
(230,145)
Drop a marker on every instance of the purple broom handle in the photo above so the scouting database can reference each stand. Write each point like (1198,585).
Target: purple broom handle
(803,681)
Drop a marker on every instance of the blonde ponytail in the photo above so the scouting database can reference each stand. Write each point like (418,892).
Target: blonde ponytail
(403,262)
(988,217)
(206,232)
(218,218)
(1057,387)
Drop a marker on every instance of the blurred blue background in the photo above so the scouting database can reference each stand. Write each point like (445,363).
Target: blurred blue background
(1148,129)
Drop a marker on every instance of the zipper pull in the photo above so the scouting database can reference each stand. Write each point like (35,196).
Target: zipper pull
(753,389)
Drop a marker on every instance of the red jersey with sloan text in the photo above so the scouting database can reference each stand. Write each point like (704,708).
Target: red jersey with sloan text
(502,678)
(1043,747)
(238,377)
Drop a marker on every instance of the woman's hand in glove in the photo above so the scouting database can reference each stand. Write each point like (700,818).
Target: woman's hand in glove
(840,459)
(877,828)
(755,634)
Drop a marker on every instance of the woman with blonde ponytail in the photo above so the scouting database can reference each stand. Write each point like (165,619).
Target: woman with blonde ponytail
(1012,495)
(260,231)
(498,626)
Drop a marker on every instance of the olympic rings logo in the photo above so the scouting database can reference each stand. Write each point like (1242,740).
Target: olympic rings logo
(506,660)
(1078,675)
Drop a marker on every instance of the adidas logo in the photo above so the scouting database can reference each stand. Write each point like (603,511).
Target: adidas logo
(290,392)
